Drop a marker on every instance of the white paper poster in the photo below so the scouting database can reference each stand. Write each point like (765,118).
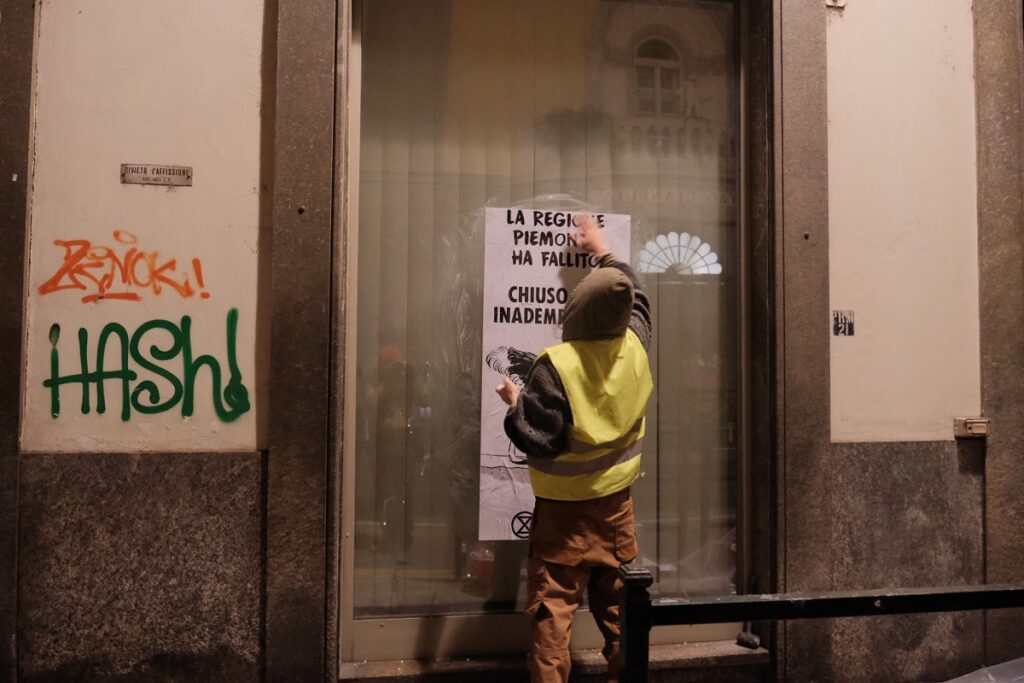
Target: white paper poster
(531,264)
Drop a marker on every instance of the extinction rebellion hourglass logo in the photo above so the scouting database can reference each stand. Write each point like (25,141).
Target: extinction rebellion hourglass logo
(522,524)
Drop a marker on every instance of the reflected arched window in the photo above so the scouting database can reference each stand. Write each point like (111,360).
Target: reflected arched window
(657,75)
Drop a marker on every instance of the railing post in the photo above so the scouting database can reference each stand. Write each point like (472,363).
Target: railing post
(635,623)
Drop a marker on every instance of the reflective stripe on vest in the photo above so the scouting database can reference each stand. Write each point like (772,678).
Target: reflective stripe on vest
(574,445)
(571,468)
(607,383)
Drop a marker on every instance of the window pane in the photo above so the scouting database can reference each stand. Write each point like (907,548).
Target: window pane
(669,103)
(645,77)
(511,103)
(669,79)
(646,101)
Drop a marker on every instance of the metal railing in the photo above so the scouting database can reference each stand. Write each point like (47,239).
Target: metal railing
(638,613)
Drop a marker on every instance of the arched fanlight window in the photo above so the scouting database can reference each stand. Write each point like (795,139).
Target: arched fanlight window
(657,75)
(681,254)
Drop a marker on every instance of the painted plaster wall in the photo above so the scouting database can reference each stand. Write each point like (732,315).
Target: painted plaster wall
(144,82)
(903,236)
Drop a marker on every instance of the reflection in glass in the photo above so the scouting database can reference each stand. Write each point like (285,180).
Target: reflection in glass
(657,49)
(629,107)
(645,77)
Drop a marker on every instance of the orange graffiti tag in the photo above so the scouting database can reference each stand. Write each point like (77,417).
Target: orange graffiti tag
(121,272)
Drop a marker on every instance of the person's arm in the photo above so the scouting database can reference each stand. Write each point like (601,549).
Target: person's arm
(592,239)
(641,322)
(539,415)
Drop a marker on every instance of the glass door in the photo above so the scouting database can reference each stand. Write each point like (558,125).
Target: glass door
(621,106)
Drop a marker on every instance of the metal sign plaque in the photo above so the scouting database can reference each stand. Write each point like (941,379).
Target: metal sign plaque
(153,174)
(842,323)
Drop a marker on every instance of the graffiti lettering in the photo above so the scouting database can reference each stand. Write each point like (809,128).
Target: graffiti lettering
(107,273)
(145,396)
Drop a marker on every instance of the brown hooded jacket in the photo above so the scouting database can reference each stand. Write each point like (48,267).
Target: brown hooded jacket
(603,305)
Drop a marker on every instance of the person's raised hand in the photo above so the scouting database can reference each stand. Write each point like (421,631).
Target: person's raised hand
(508,392)
(590,236)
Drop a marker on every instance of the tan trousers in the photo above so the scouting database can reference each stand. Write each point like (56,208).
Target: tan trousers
(576,546)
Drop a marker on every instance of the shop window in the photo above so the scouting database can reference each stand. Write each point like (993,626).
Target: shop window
(531,104)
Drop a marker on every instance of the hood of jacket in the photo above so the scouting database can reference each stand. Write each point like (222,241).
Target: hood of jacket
(599,307)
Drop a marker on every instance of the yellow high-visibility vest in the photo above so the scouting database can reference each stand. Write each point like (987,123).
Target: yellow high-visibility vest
(607,383)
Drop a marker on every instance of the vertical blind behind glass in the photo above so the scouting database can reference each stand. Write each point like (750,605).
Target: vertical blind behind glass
(627,107)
